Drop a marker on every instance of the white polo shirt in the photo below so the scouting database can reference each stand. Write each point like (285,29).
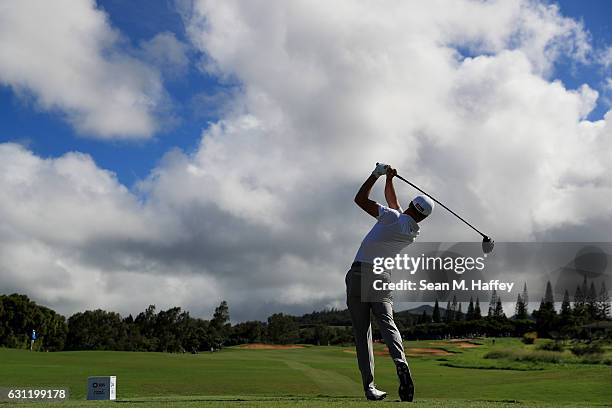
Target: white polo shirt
(389,236)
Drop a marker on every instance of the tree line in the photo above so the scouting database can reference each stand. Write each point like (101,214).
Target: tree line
(174,330)
(171,330)
(588,306)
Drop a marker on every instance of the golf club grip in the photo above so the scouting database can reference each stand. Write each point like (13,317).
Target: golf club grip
(447,209)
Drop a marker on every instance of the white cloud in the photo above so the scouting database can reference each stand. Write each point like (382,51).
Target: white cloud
(74,237)
(43,196)
(167,53)
(262,213)
(606,93)
(68,57)
(605,57)
(385,83)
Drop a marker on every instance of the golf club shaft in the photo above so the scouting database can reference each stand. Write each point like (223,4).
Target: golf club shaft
(448,209)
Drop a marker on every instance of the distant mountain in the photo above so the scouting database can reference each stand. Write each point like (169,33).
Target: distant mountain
(341,317)
(418,311)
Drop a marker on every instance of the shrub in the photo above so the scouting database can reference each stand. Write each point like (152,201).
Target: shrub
(496,354)
(581,349)
(551,346)
(594,359)
(541,356)
(529,337)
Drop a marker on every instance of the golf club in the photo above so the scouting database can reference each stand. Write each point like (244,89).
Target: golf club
(487,242)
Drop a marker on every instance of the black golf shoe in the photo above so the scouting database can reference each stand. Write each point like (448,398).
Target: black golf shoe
(406,388)
(375,395)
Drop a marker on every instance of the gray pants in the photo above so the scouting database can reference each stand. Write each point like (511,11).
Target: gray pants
(362,329)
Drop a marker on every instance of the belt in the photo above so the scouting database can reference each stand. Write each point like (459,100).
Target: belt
(358,264)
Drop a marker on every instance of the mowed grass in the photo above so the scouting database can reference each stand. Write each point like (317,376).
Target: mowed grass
(309,377)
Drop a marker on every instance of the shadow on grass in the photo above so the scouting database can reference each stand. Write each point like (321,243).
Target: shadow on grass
(284,398)
(480,367)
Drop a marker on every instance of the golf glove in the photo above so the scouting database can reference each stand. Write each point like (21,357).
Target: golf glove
(380,170)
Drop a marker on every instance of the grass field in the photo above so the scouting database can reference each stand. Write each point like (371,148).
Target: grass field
(311,377)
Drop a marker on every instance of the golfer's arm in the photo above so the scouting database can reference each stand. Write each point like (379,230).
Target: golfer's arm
(362,199)
(390,194)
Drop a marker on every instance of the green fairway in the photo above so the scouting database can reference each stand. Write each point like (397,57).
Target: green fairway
(310,376)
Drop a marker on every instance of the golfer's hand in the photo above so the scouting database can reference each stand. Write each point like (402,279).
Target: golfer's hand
(391,172)
(381,169)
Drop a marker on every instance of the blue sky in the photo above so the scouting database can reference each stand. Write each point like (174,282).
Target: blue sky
(595,15)
(48,135)
(324,93)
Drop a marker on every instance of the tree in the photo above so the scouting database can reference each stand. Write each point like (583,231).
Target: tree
(19,316)
(248,332)
(525,298)
(579,311)
(459,314)
(96,330)
(578,297)
(498,313)
(591,303)
(424,317)
(221,316)
(54,331)
(546,316)
(3,320)
(191,336)
(566,311)
(201,336)
(282,329)
(171,328)
(520,309)
(322,334)
(448,313)
(477,313)
(436,313)
(145,323)
(548,296)
(492,304)
(220,323)
(603,302)
(470,310)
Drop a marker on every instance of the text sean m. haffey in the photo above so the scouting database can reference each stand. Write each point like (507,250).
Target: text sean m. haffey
(456,284)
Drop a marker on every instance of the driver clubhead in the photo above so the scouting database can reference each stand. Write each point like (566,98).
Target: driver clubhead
(487,245)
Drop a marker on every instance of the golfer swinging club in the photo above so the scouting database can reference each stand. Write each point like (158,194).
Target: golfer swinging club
(394,230)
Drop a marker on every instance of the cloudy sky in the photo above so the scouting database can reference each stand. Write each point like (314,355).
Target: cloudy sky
(184,152)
